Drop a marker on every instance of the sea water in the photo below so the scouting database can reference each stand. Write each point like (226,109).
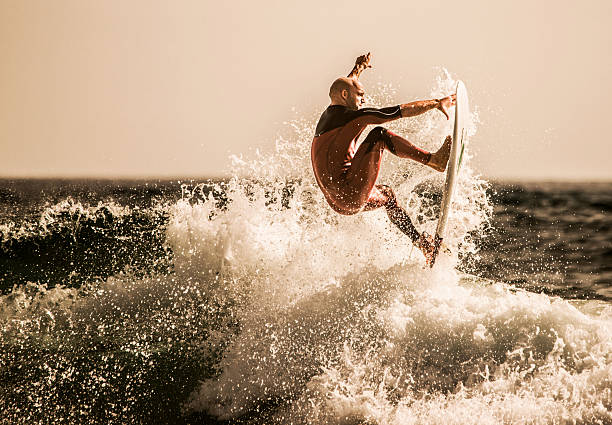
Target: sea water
(250,301)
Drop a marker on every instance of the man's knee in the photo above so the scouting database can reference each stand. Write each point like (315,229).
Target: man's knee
(377,138)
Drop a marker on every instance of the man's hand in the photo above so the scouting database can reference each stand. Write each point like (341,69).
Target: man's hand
(445,103)
(361,63)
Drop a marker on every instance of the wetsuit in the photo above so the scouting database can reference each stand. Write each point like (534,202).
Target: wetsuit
(333,148)
(335,144)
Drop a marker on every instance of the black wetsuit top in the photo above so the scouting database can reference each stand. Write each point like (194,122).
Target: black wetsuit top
(338,116)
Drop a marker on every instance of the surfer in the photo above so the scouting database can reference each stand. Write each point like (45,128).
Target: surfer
(347,173)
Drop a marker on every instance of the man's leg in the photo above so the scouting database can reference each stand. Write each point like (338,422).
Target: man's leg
(365,165)
(363,172)
(403,148)
(383,196)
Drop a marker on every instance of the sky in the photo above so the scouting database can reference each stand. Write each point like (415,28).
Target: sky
(152,88)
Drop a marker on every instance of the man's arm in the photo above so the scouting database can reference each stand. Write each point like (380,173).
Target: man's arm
(361,63)
(421,106)
(367,116)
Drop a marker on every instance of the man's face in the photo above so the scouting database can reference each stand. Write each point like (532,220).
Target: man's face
(355,96)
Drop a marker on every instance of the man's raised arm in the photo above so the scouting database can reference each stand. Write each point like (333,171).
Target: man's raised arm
(361,63)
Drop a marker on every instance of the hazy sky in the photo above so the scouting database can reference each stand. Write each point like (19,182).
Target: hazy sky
(123,88)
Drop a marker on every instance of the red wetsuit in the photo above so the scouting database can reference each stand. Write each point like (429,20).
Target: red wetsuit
(335,144)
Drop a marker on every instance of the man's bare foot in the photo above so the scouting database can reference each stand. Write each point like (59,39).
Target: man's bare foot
(439,159)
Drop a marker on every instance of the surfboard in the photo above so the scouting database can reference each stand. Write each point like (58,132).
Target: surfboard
(460,138)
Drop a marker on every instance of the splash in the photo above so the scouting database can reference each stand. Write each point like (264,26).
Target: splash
(340,322)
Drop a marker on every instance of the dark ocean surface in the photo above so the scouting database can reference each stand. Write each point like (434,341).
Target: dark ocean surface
(544,236)
(553,237)
(179,302)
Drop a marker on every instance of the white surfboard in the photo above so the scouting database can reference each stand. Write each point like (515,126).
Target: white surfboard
(460,138)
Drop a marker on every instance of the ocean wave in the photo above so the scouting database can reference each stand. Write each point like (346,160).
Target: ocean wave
(70,243)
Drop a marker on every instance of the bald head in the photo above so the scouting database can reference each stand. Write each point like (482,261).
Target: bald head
(346,91)
(340,84)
